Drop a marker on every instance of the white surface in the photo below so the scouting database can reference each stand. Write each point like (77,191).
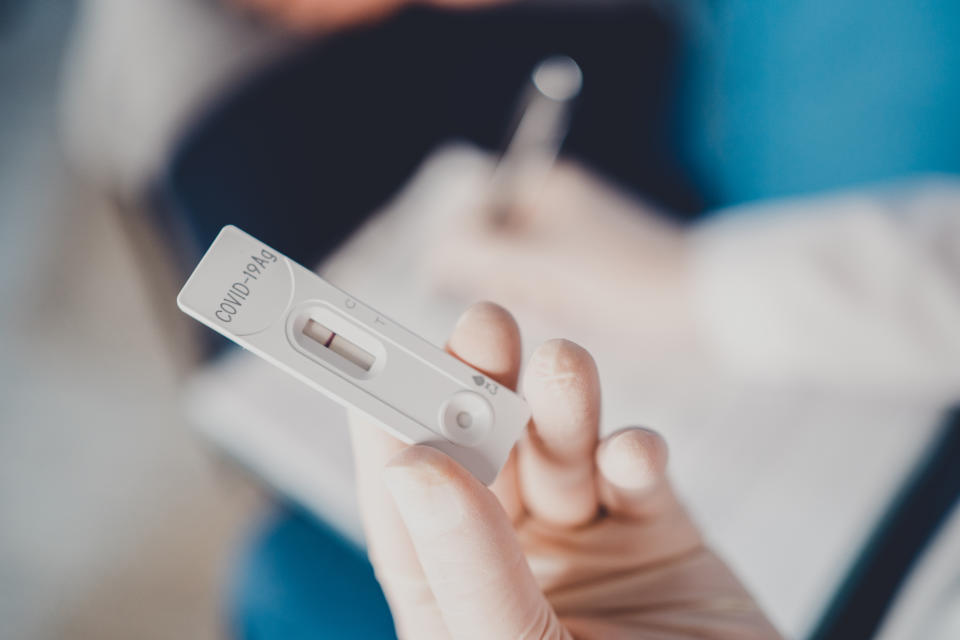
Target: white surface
(856,291)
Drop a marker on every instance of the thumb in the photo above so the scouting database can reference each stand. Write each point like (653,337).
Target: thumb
(468,550)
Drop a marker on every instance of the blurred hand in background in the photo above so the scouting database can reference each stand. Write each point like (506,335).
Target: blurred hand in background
(806,288)
(577,249)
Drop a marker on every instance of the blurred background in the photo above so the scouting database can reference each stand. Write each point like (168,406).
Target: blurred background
(749,213)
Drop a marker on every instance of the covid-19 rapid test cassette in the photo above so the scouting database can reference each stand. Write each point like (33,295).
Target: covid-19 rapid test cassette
(291,317)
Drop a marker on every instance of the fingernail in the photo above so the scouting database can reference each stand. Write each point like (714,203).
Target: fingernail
(425,497)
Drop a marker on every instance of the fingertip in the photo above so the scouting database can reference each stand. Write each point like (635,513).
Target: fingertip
(487,337)
(423,465)
(562,386)
(559,366)
(419,458)
(428,489)
(486,313)
(634,459)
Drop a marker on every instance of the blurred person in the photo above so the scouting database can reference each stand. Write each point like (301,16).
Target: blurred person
(797,276)
(760,144)
(793,276)
(804,289)
(148,70)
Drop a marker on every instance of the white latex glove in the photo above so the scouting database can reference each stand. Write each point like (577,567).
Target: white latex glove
(577,537)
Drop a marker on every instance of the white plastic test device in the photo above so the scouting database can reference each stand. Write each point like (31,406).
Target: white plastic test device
(291,317)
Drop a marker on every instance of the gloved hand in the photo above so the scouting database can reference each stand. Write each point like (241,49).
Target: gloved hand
(576,538)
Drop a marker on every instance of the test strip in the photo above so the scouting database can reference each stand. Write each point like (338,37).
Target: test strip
(352,353)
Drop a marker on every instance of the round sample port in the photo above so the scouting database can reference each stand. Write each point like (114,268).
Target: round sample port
(466,418)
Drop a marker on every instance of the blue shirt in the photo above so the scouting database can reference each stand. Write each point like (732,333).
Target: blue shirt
(786,98)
